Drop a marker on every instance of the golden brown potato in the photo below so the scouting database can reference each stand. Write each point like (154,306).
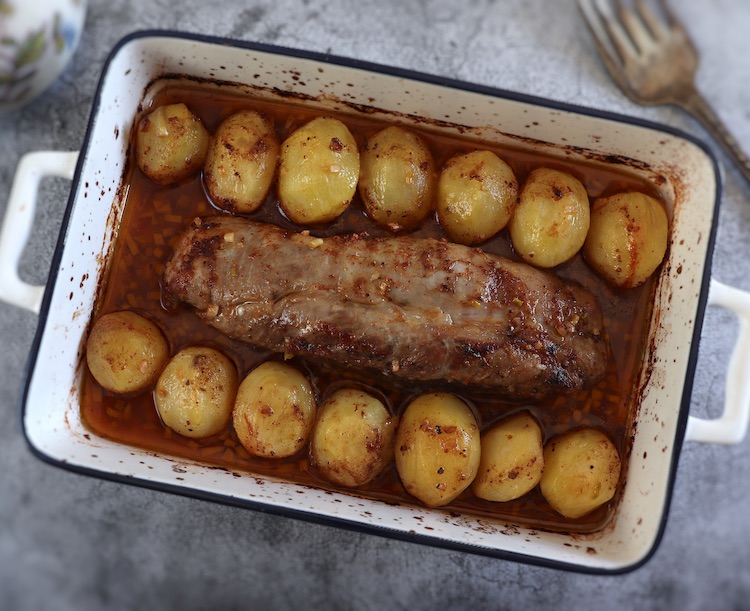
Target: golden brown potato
(476,196)
(241,162)
(551,219)
(512,461)
(195,392)
(398,178)
(627,239)
(319,171)
(581,471)
(437,448)
(171,144)
(274,412)
(353,438)
(126,352)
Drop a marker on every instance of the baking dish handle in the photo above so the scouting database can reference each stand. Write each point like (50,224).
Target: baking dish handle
(19,219)
(732,425)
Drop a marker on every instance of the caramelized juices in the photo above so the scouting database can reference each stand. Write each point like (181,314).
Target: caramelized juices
(153,217)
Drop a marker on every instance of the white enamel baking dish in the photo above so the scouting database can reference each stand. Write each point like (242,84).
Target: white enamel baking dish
(689,184)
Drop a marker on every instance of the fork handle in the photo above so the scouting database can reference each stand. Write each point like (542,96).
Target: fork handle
(697,105)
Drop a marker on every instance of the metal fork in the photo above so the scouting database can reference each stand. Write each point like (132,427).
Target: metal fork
(653,61)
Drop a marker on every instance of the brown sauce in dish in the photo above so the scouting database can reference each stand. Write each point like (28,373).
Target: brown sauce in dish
(155,215)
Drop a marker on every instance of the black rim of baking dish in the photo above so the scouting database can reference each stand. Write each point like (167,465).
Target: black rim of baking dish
(343,522)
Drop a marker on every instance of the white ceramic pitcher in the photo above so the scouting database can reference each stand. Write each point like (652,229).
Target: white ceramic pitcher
(37,40)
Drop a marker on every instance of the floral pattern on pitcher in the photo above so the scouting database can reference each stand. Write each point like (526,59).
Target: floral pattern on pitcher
(37,40)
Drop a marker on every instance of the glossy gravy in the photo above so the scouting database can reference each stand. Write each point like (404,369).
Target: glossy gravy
(153,216)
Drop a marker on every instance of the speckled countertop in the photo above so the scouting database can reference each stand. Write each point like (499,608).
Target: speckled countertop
(73,542)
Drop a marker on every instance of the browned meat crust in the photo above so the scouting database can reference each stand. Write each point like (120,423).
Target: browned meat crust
(415,308)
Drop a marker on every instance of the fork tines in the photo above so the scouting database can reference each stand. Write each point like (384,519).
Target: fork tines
(630,32)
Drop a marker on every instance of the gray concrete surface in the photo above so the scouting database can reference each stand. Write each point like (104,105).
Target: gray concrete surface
(73,542)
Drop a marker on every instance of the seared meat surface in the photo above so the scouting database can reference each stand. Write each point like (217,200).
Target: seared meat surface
(415,308)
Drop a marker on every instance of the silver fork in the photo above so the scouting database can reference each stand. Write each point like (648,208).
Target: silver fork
(653,61)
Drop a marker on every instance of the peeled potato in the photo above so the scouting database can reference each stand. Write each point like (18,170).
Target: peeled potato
(627,239)
(241,162)
(397,184)
(551,220)
(476,196)
(512,462)
(318,172)
(581,471)
(437,448)
(274,412)
(195,392)
(171,144)
(125,352)
(353,438)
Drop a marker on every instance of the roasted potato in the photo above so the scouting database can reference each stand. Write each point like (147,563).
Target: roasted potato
(581,471)
(512,459)
(398,178)
(275,410)
(125,352)
(476,196)
(195,393)
(627,239)
(241,162)
(552,218)
(437,448)
(170,144)
(352,441)
(318,172)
